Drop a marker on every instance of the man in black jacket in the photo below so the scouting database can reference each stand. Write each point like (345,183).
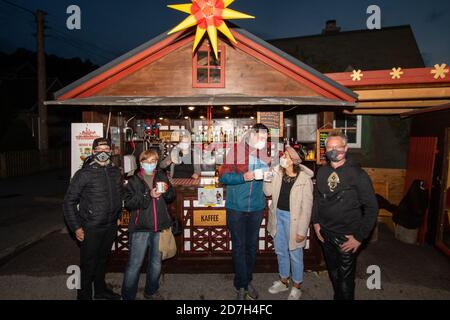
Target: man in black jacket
(344,213)
(92,207)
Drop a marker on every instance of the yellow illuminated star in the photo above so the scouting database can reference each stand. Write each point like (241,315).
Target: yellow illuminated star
(440,71)
(357,75)
(209,16)
(396,73)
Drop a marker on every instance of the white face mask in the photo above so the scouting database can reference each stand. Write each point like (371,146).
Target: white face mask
(184,145)
(284,162)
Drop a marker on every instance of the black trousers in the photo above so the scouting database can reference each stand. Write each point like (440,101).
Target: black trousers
(94,252)
(341,266)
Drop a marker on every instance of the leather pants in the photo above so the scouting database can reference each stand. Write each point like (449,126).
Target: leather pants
(341,266)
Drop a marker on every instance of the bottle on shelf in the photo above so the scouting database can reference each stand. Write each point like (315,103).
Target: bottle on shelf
(221,135)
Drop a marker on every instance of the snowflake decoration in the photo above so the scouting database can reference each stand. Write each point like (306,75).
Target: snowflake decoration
(440,71)
(396,73)
(357,75)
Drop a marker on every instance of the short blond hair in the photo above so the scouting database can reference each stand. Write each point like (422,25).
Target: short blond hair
(337,133)
(147,154)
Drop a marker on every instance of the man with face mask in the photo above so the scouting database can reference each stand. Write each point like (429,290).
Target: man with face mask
(245,203)
(92,207)
(344,213)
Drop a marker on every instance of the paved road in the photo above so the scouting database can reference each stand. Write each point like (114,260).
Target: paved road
(40,273)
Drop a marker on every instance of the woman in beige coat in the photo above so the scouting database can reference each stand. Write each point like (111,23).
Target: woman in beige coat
(291,189)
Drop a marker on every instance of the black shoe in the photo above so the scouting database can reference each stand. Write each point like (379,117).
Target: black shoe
(155,296)
(108,294)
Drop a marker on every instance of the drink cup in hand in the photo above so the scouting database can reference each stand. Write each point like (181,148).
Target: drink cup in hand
(268,175)
(259,175)
(160,187)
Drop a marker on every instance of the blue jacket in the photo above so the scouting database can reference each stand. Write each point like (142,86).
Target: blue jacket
(245,196)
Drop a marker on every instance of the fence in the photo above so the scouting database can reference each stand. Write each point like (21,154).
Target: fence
(26,162)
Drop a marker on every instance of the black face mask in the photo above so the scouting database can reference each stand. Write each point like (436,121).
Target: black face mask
(333,155)
(102,156)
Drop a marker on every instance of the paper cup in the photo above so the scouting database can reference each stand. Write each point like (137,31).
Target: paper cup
(268,175)
(160,187)
(259,175)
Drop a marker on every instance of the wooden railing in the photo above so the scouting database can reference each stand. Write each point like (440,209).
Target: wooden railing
(26,162)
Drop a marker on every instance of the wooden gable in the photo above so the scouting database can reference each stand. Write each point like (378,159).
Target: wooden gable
(163,68)
(171,75)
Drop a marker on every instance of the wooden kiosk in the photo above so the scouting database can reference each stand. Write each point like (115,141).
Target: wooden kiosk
(164,80)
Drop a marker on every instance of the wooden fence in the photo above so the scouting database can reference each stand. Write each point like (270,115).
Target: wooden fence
(26,162)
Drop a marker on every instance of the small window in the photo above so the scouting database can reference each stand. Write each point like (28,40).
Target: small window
(351,126)
(207,71)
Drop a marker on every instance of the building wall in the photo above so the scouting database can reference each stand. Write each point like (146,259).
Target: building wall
(384,143)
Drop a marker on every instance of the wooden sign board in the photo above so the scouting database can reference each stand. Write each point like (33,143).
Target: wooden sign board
(272,120)
(322,135)
(210,218)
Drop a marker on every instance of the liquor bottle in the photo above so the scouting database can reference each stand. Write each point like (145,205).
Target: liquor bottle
(221,135)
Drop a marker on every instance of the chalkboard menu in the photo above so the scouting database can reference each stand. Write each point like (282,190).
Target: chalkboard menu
(322,135)
(273,121)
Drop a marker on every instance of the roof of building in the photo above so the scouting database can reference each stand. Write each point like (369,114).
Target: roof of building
(163,38)
(358,49)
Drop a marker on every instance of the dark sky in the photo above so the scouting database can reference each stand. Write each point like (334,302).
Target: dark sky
(110,28)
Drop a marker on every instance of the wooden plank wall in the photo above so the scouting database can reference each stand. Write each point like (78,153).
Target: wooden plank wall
(389,183)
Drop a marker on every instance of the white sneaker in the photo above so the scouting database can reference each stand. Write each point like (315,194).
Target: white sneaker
(278,287)
(295,294)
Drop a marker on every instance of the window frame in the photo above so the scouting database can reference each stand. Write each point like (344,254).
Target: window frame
(358,128)
(221,67)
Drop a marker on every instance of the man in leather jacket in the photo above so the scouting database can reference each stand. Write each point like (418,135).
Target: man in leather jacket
(92,207)
(344,213)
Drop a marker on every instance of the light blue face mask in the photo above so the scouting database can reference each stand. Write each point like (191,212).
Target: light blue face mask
(148,167)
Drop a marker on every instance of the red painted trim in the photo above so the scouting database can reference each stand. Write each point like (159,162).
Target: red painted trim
(288,65)
(120,67)
(221,84)
(383,77)
(139,65)
(285,71)
(441,246)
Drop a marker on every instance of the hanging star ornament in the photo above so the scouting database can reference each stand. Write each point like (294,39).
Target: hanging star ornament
(209,16)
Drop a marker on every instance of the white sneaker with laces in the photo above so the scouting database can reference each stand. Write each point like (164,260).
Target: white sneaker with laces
(295,294)
(278,286)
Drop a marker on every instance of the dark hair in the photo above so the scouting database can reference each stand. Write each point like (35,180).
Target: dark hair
(260,127)
(297,168)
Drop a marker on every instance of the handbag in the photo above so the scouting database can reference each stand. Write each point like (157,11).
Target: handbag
(176,228)
(167,244)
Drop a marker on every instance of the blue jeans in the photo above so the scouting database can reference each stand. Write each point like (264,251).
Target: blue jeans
(244,228)
(289,261)
(139,244)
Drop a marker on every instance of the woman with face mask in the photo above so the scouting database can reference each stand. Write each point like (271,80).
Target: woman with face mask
(182,160)
(149,216)
(291,189)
